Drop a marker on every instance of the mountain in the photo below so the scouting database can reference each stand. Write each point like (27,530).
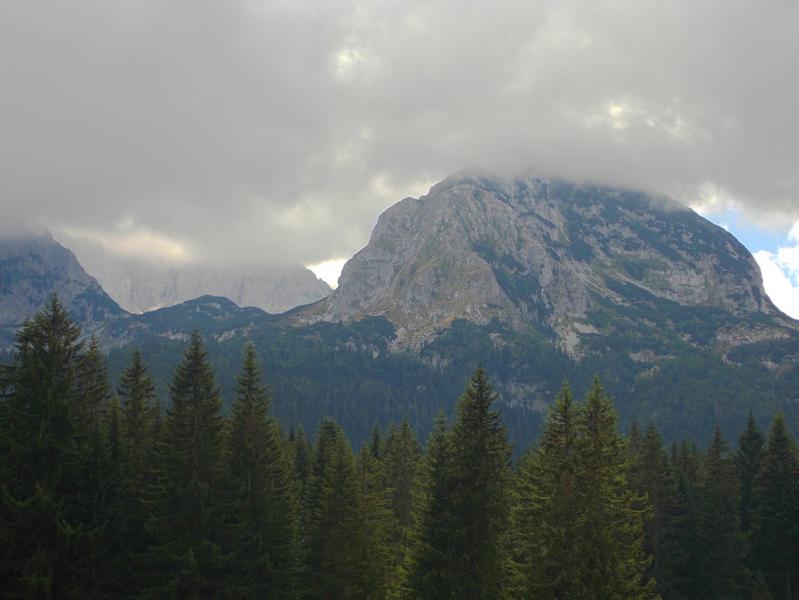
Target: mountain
(33,267)
(140,285)
(568,260)
(541,281)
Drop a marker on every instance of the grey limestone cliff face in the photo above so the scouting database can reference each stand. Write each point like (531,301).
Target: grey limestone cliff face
(33,267)
(140,285)
(537,252)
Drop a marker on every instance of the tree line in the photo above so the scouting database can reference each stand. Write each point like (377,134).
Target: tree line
(107,495)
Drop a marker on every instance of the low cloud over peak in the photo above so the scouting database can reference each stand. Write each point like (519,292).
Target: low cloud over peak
(278,131)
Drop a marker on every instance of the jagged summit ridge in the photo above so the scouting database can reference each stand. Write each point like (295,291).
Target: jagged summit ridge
(539,252)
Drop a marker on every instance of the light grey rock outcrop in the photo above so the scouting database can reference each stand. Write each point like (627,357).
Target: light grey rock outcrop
(537,252)
(33,267)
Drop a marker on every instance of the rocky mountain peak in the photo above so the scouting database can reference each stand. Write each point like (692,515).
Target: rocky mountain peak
(543,253)
(33,267)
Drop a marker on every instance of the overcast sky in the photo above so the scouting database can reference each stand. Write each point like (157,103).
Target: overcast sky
(244,130)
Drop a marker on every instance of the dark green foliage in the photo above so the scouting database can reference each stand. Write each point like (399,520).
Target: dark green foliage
(330,517)
(402,465)
(263,471)
(610,542)
(375,560)
(402,476)
(578,523)
(469,504)
(775,519)
(139,463)
(546,506)
(653,477)
(195,542)
(299,448)
(747,460)
(434,553)
(102,498)
(348,372)
(41,504)
(722,560)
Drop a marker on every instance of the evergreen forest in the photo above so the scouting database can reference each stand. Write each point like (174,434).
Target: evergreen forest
(105,494)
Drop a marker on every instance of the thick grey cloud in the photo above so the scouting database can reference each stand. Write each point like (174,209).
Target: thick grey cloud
(278,130)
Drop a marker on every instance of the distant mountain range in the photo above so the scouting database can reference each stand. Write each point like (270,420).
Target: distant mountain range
(33,266)
(140,285)
(541,280)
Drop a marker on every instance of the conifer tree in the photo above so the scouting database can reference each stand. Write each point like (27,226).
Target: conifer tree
(402,467)
(376,442)
(331,518)
(434,553)
(722,559)
(747,461)
(301,451)
(577,521)
(139,461)
(547,506)
(263,471)
(194,538)
(775,535)
(687,465)
(374,560)
(93,501)
(653,477)
(40,458)
(477,502)
(610,541)
(634,438)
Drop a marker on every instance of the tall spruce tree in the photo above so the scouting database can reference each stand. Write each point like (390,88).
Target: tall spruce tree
(139,465)
(722,569)
(263,469)
(195,539)
(686,461)
(578,522)
(775,536)
(616,565)
(653,478)
(331,518)
(547,508)
(41,541)
(372,570)
(402,456)
(747,461)
(434,552)
(477,502)
(96,478)
(402,468)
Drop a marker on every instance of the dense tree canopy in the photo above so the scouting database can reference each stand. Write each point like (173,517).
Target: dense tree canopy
(102,497)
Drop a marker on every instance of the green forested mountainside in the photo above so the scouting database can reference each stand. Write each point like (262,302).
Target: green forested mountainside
(349,372)
(104,494)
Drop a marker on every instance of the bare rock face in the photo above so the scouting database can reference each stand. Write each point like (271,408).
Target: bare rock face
(140,286)
(547,254)
(33,267)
